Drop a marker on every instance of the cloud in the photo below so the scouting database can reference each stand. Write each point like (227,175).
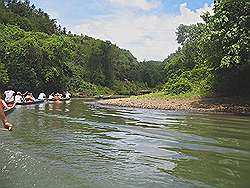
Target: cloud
(147,36)
(192,16)
(45,5)
(137,4)
(53,13)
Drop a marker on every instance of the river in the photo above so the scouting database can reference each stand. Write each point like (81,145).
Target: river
(81,144)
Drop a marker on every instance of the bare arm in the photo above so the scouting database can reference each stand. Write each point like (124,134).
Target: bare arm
(5,105)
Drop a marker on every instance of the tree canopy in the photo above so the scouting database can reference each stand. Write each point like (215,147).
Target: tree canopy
(214,57)
(37,55)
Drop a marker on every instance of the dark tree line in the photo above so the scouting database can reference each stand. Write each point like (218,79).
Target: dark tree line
(37,54)
(214,57)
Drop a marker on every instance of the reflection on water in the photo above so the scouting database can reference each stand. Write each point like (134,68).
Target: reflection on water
(80,144)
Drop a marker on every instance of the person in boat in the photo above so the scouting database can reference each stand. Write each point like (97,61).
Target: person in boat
(67,95)
(3,117)
(19,97)
(58,97)
(42,96)
(29,97)
(9,96)
(51,96)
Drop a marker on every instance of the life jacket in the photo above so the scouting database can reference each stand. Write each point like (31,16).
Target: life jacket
(29,98)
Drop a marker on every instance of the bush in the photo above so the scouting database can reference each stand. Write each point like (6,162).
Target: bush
(87,89)
(198,81)
(127,88)
(177,87)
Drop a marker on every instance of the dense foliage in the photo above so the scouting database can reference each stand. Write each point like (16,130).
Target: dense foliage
(27,17)
(213,57)
(36,55)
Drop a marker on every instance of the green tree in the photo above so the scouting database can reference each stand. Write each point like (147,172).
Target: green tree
(226,46)
(4,78)
(228,33)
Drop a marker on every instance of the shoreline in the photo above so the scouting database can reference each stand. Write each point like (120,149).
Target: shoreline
(208,104)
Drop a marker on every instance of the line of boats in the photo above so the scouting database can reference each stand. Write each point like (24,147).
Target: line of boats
(36,101)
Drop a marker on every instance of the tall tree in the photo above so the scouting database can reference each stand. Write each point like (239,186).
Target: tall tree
(229,33)
(227,46)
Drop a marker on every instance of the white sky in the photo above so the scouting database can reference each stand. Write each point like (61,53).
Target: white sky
(147,36)
(145,27)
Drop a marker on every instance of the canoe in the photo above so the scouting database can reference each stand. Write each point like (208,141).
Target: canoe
(63,99)
(37,101)
(110,96)
(8,111)
(103,97)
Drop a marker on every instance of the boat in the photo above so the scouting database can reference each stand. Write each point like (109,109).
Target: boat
(63,99)
(66,99)
(37,101)
(110,96)
(103,97)
(8,111)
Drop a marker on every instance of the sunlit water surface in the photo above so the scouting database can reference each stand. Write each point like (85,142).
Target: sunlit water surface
(80,144)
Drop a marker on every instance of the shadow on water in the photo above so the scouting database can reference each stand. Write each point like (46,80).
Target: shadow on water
(81,144)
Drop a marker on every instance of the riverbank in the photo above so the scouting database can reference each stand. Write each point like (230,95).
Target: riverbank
(212,104)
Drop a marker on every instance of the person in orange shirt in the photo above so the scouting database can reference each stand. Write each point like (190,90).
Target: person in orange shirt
(57,97)
(3,117)
(29,97)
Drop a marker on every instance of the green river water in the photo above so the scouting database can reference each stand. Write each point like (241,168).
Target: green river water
(81,144)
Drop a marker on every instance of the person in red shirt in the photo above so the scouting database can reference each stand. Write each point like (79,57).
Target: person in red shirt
(57,97)
(3,117)
(29,97)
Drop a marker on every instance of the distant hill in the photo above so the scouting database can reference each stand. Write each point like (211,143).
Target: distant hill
(37,54)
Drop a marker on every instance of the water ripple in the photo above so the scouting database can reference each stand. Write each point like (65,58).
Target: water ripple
(83,144)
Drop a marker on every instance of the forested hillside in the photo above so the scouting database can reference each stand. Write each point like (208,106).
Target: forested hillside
(27,17)
(214,57)
(37,55)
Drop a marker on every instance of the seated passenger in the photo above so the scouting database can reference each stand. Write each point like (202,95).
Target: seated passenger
(42,96)
(19,97)
(29,97)
(51,96)
(67,95)
(9,95)
(58,96)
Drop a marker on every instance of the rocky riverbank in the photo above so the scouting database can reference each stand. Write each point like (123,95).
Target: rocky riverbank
(218,104)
